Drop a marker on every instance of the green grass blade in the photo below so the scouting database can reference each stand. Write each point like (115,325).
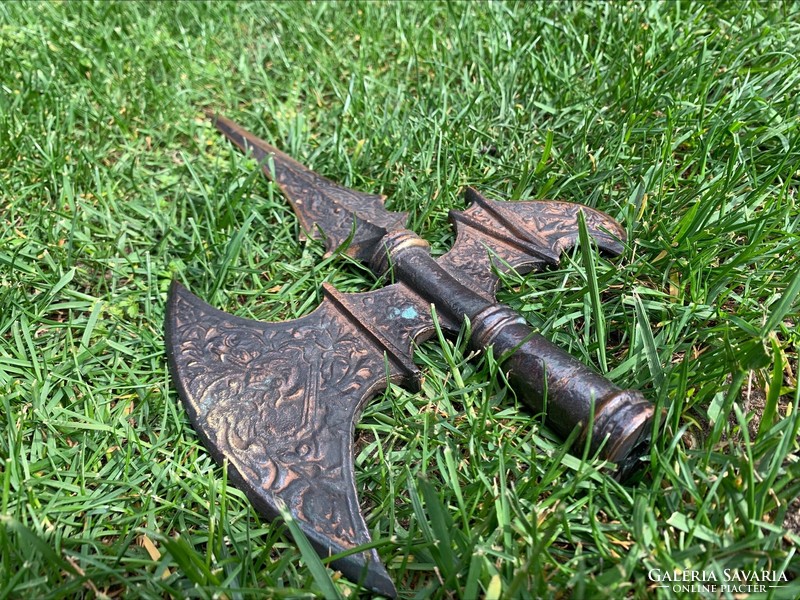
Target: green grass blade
(598,318)
(770,413)
(645,334)
(784,304)
(318,571)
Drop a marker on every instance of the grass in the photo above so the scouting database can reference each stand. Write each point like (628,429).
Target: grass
(680,119)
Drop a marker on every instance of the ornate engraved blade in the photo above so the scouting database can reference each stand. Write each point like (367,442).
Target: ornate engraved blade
(279,402)
(498,236)
(337,211)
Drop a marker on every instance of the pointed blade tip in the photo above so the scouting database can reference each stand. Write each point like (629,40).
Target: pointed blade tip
(378,581)
(176,287)
(333,209)
(177,292)
(368,571)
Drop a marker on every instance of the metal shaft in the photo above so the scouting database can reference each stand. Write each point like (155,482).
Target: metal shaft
(547,378)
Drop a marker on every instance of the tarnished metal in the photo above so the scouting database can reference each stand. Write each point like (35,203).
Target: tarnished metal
(280,401)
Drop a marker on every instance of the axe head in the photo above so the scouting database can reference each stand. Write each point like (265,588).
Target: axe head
(279,402)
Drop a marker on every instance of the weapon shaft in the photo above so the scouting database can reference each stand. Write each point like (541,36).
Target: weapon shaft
(574,394)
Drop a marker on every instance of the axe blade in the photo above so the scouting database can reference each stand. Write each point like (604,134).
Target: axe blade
(279,402)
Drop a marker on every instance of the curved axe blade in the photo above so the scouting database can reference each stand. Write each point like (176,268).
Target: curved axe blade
(280,402)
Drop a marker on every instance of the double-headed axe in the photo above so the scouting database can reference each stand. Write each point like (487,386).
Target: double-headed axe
(280,401)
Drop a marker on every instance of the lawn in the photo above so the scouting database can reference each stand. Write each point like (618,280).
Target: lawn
(681,120)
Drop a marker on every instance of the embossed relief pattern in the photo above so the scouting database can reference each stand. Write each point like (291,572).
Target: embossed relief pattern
(474,258)
(398,315)
(305,188)
(279,402)
(557,223)
(319,201)
(477,254)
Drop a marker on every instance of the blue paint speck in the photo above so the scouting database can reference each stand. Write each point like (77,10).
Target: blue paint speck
(409,312)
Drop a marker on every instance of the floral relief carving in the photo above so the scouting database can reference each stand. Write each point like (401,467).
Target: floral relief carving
(279,400)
